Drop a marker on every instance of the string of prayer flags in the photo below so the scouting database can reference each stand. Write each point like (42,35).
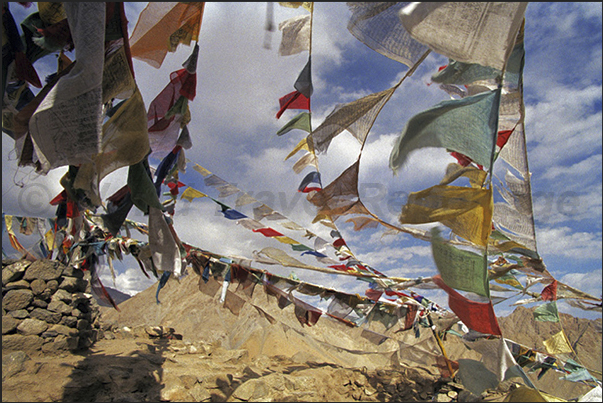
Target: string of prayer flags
(460,269)
(478,316)
(162,27)
(467,211)
(169,112)
(449,124)
(486,35)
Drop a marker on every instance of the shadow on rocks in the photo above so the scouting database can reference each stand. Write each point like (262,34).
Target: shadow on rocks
(133,376)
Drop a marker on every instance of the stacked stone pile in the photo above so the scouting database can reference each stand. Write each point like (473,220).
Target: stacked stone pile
(47,307)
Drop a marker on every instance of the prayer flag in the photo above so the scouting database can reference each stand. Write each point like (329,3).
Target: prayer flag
(467,126)
(549,293)
(478,316)
(60,135)
(310,183)
(460,269)
(357,117)
(301,122)
(558,344)
(190,194)
(467,211)
(233,214)
(124,143)
(296,35)
(460,73)
(307,160)
(304,144)
(378,26)
(304,81)
(286,240)
(547,312)
(143,192)
(268,232)
(161,27)
(482,33)
(165,249)
(293,100)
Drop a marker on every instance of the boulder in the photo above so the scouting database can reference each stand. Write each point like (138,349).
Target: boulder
(16,299)
(31,326)
(45,315)
(14,272)
(9,324)
(44,269)
(16,342)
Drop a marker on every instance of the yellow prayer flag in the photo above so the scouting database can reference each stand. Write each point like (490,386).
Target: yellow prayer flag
(302,145)
(8,222)
(558,344)
(286,239)
(190,194)
(308,5)
(51,12)
(527,394)
(49,237)
(466,211)
(201,170)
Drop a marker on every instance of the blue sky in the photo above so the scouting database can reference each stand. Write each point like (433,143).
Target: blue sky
(233,130)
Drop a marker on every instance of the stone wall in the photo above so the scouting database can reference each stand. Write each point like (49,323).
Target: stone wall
(47,307)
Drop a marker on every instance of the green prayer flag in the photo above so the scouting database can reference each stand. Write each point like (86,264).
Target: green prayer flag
(547,312)
(468,126)
(464,73)
(142,189)
(300,247)
(301,121)
(460,269)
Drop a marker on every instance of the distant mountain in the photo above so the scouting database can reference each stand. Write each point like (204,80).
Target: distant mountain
(117,296)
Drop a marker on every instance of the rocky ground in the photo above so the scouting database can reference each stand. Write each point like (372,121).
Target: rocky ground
(191,347)
(148,364)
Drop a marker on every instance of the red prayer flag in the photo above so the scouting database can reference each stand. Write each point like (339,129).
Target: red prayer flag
(373,294)
(503,137)
(293,100)
(339,242)
(269,232)
(478,316)
(549,293)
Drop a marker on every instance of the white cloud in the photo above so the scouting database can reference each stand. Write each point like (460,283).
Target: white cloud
(589,282)
(130,281)
(563,241)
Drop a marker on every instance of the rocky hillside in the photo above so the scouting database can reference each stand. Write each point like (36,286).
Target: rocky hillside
(191,347)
